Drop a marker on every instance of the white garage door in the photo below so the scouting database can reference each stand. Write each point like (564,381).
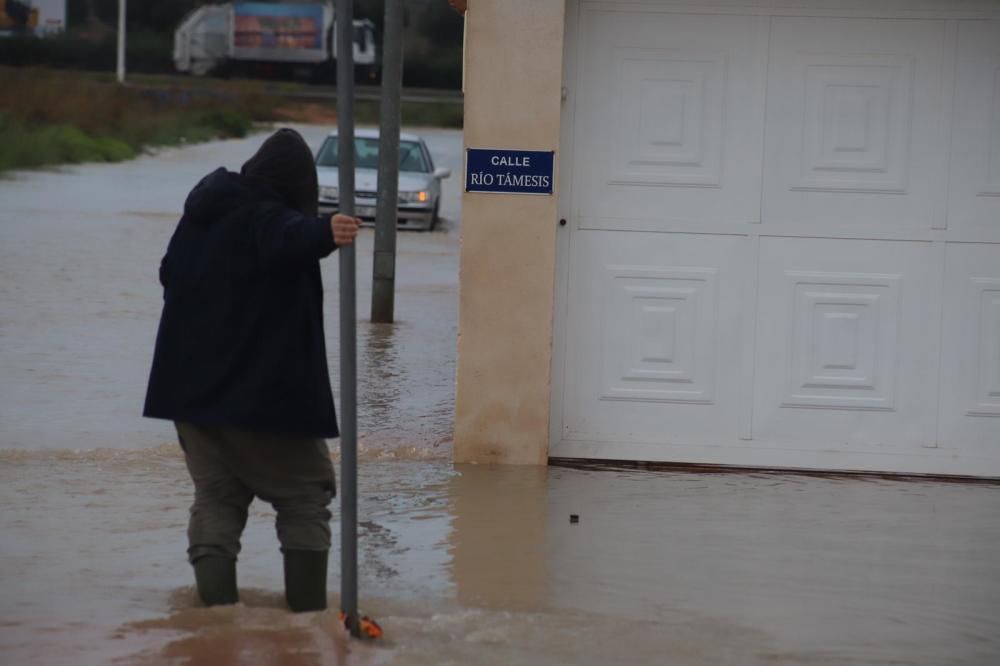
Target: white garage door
(783,246)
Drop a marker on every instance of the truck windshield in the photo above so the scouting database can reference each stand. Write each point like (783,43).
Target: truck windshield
(411,156)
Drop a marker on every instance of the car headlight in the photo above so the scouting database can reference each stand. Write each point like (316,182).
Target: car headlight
(420,196)
(328,193)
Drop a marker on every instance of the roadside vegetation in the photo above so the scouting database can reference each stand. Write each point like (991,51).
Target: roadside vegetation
(59,102)
(51,117)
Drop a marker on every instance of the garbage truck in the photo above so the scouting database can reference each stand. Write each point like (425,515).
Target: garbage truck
(17,17)
(269,39)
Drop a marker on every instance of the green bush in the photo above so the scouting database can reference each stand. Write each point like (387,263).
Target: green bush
(71,145)
(415,114)
(226,121)
(53,117)
(22,147)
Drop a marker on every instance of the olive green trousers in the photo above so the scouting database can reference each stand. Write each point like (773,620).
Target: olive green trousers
(231,467)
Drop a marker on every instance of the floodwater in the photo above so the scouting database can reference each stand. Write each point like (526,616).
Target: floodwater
(80,301)
(460,564)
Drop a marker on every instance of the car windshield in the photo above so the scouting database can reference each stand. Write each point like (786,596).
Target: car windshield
(411,156)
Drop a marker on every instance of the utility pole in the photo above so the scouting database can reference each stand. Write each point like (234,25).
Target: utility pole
(121,41)
(384,265)
(344,18)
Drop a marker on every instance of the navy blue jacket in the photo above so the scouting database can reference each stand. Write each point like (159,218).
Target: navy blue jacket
(241,341)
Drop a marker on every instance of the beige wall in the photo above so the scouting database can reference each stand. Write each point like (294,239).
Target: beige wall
(513,84)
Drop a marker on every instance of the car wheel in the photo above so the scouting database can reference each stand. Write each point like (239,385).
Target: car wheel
(434,216)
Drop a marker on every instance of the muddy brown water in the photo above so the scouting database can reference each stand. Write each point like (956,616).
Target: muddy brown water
(460,564)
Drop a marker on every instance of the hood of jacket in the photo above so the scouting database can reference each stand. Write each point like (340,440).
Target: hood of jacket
(219,193)
(285,164)
(281,170)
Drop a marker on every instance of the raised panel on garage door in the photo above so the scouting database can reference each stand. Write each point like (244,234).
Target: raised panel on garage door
(856,134)
(970,366)
(654,339)
(848,344)
(669,119)
(974,193)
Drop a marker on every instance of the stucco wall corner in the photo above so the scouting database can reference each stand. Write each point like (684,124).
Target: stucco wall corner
(513,84)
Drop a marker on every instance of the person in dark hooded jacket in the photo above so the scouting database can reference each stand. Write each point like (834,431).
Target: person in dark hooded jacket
(240,364)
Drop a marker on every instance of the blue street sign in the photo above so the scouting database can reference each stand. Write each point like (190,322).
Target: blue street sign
(509,171)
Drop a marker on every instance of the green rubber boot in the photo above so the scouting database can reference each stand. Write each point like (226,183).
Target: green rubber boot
(216,579)
(305,580)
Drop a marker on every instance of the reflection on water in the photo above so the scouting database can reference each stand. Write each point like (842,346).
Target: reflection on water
(406,392)
(497,540)
(479,565)
(383,373)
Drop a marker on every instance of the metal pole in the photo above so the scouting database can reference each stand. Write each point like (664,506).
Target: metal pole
(121,41)
(344,18)
(384,265)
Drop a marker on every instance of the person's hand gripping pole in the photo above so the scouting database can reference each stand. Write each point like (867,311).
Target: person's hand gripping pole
(345,229)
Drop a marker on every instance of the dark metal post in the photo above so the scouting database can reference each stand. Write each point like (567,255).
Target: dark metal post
(120,69)
(384,266)
(344,18)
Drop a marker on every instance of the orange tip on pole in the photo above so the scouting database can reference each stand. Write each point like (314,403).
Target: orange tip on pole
(370,629)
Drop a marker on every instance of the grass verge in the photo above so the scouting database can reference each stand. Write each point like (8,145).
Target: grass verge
(414,114)
(52,117)
(366,112)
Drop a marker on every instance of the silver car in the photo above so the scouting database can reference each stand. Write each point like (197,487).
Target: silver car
(419,181)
